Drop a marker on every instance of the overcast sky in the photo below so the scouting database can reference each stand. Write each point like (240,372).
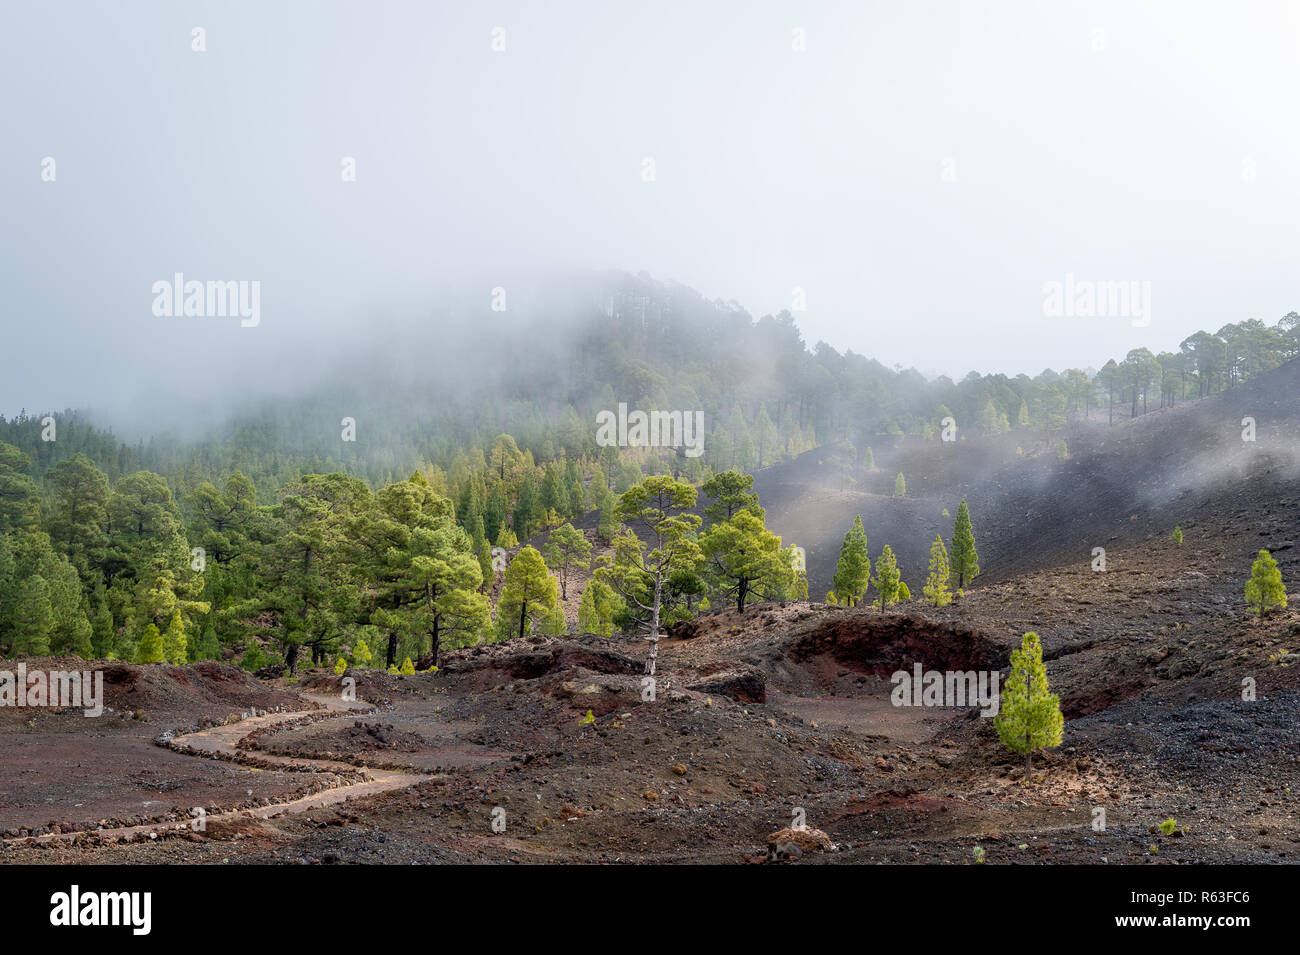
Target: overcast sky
(919,169)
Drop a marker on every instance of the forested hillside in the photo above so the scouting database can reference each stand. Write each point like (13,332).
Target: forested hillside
(278,534)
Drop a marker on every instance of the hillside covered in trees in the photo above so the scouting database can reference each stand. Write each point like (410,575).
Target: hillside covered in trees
(366,510)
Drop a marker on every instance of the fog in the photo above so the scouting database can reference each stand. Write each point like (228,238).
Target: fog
(915,173)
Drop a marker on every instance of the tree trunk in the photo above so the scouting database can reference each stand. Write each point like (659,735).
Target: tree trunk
(523,617)
(391,657)
(653,656)
(291,657)
(742,591)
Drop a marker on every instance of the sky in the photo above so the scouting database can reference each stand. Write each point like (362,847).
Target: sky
(906,177)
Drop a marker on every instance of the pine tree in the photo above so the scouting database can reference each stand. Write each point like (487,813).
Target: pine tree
(150,648)
(33,618)
(659,512)
(1029,714)
(744,559)
(729,493)
(340,666)
(407,668)
(1177,536)
(1264,589)
(209,647)
(361,655)
(555,624)
(597,607)
(254,658)
(887,576)
(903,592)
(869,460)
(965,562)
(528,593)
(565,549)
(853,569)
(102,631)
(900,486)
(174,643)
(936,583)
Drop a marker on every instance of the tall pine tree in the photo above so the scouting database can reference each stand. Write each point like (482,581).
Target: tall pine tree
(965,562)
(853,569)
(936,583)
(888,577)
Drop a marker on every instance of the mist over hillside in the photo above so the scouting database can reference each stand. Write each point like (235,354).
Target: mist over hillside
(540,362)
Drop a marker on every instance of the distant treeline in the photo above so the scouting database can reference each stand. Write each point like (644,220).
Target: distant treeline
(765,395)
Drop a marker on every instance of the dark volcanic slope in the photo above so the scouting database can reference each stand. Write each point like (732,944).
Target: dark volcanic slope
(1119,484)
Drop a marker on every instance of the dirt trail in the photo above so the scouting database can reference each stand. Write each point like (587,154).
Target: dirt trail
(224,740)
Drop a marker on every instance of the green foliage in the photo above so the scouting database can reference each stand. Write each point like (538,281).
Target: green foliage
(936,589)
(853,569)
(900,485)
(33,620)
(150,647)
(529,595)
(904,593)
(1177,536)
(744,559)
(1264,589)
(730,492)
(1029,716)
(340,666)
(555,624)
(964,559)
(565,550)
(888,578)
(658,548)
(597,608)
(361,655)
(175,646)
